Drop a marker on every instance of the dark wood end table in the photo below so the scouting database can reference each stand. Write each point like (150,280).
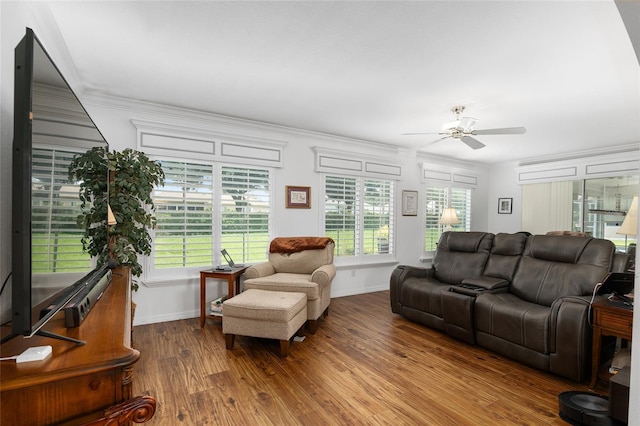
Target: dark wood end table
(609,319)
(232,277)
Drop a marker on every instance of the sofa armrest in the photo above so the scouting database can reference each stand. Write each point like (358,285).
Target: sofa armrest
(324,275)
(570,337)
(402,272)
(259,270)
(398,276)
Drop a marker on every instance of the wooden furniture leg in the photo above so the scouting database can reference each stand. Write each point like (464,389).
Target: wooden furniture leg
(203,307)
(229,340)
(595,357)
(312,325)
(284,347)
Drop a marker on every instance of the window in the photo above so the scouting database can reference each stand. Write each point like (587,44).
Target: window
(203,208)
(438,198)
(359,214)
(246,200)
(601,205)
(55,208)
(184,213)
(597,207)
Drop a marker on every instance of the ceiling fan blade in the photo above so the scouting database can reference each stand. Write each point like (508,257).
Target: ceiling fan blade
(428,133)
(432,142)
(503,131)
(473,143)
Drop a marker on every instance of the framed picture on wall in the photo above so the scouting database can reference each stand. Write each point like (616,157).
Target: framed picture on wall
(298,197)
(505,205)
(409,203)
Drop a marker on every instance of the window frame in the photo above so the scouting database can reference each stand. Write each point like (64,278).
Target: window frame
(359,256)
(153,276)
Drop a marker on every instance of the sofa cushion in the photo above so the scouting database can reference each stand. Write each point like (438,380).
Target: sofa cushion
(543,277)
(423,294)
(514,320)
(505,255)
(461,255)
(467,242)
(283,281)
(508,244)
(557,248)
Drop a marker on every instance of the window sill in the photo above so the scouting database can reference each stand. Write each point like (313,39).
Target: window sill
(359,263)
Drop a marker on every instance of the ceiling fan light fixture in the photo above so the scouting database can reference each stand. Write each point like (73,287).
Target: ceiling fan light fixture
(467,123)
(464,125)
(450,126)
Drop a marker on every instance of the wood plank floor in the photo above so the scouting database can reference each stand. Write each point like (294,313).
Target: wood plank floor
(365,365)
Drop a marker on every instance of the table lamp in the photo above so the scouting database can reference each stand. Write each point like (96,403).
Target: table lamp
(630,224)
(449,217)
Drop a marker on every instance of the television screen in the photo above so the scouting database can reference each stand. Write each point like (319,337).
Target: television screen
(49,263)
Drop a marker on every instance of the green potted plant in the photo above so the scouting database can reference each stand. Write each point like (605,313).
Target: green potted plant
(132,178)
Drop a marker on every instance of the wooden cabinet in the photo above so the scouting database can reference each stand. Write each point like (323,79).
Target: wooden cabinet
(77,383)
(609,319)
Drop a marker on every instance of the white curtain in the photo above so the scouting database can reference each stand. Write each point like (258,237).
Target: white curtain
(547,207)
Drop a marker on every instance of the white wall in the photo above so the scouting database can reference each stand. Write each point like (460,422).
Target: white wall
(503,184)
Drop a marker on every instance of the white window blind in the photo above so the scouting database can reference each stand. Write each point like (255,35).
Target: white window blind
(461,201)
(55,209)
(245,212)
(359,215)
(378,216)
(437,199)
(341,212)
(203,208)
(184,213)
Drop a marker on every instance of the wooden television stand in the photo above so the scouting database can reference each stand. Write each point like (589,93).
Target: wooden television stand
(77,384)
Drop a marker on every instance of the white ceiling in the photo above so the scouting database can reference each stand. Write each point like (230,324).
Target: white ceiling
(565,70)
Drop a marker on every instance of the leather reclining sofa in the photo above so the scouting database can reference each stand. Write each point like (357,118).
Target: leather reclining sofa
(526,297)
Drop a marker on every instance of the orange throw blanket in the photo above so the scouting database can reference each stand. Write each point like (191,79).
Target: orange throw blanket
(296,244)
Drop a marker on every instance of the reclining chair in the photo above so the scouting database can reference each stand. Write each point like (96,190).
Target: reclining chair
(298,264)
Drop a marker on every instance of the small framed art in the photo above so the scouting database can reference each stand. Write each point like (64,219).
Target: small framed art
(505,205)
(298,197)
(409,203)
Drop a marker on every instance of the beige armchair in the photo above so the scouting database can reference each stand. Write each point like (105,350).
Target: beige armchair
(298,264)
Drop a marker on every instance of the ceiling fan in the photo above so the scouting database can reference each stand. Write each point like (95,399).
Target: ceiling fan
(462,128)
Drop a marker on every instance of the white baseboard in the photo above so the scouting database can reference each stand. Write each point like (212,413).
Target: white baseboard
(173,316)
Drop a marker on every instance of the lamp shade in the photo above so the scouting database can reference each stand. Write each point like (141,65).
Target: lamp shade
(111,219)
(630,223)
(449,216)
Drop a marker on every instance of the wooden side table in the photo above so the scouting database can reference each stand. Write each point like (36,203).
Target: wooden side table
(232,277)
(609,319)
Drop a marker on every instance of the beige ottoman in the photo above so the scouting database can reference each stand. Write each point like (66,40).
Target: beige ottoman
(263,313)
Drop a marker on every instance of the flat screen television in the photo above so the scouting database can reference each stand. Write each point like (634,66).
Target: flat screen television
(49,264)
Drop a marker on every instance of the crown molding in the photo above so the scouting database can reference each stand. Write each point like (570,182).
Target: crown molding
(231,125)
(633,148)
